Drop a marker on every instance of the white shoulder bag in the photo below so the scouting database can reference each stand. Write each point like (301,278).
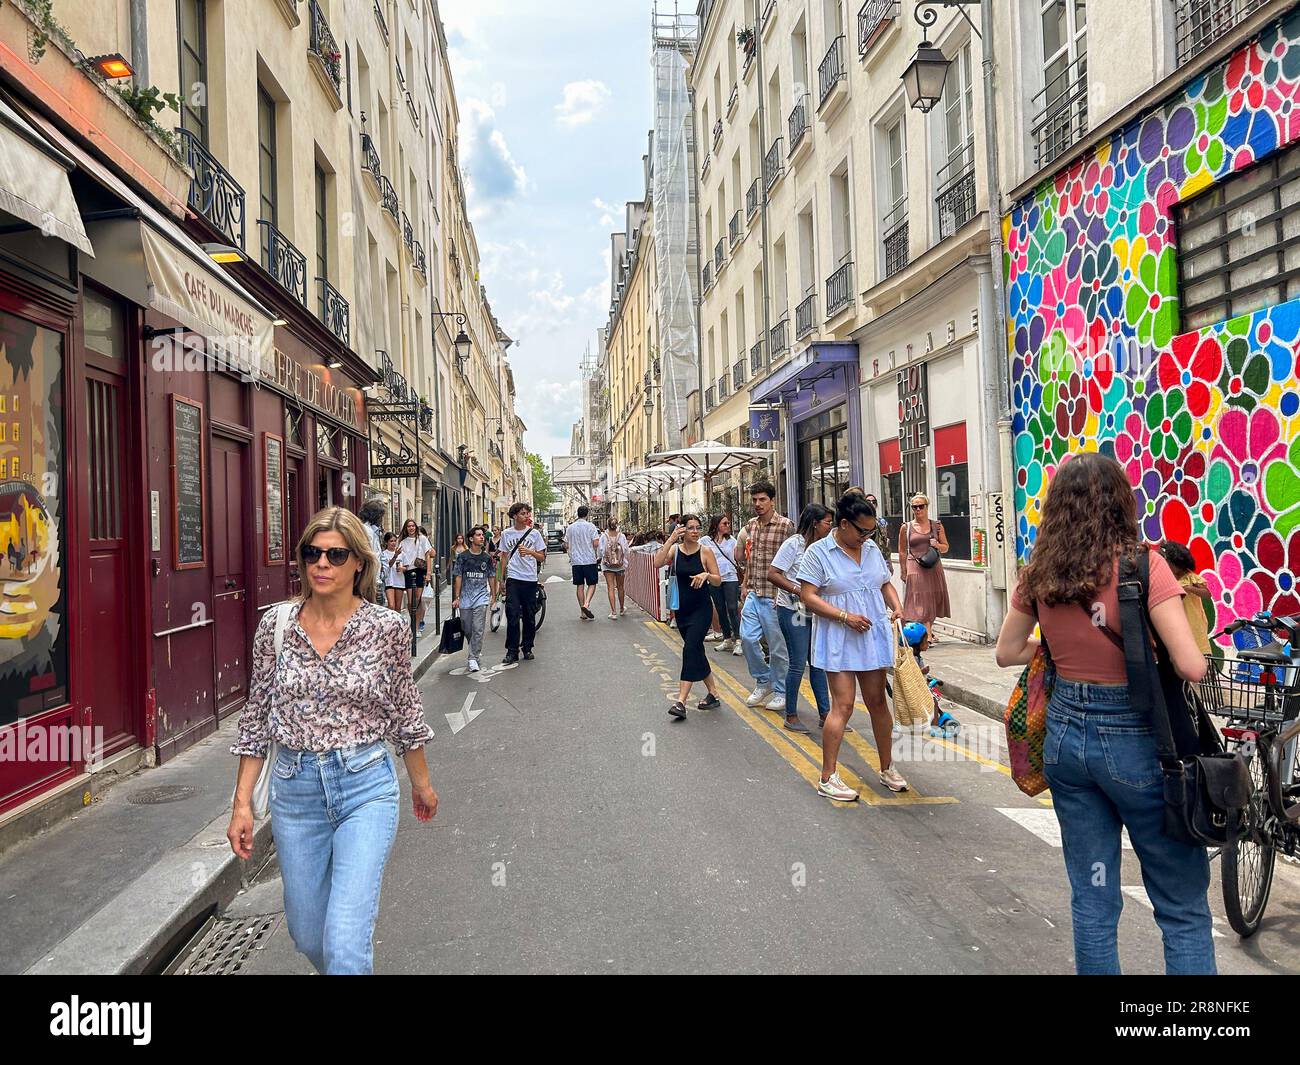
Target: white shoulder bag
(262,789)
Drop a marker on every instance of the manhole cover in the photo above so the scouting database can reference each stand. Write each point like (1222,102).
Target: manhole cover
(224,948)
(163,793)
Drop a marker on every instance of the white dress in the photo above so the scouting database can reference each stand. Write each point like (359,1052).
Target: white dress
(855,587)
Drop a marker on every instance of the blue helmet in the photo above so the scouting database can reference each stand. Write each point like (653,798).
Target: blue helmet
(914,633)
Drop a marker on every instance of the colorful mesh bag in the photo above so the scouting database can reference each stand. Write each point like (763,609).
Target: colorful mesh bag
(1025,719)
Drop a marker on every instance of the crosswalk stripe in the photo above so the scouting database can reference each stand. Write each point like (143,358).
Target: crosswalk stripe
(809,766)
(1044,825)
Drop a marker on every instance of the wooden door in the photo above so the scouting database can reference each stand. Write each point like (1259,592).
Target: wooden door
(230,503)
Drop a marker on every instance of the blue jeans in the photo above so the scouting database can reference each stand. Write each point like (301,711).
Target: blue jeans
(797,631)
(1100,760)
(758,621)
(334,816)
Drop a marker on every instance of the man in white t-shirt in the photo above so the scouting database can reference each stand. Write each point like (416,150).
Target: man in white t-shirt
(522,547)
(580,540)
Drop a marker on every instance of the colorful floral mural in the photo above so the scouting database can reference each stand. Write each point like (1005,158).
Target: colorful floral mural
(1206,423)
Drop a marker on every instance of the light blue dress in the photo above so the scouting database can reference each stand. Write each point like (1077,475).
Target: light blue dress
(855,587)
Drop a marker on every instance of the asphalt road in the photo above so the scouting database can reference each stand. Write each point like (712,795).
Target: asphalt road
(582,830)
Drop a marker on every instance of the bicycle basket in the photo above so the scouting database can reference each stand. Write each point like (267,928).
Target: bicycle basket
(1246,691)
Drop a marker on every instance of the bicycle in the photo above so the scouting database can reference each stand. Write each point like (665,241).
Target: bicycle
(1257,692)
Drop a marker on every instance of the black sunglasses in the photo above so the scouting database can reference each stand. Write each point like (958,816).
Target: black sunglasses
(864,533)
(919,506)
(336,555)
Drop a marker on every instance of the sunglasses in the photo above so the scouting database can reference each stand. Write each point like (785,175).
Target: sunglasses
(336,555)
(864,533)
(919,506)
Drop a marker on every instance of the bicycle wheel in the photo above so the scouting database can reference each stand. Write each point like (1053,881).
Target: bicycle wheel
(540,616)
(1248,863)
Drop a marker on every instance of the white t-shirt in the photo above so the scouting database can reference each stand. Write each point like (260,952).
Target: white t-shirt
(394,578)
(725,553)
(580,539)
(411,548)
(786,562)
(520,566)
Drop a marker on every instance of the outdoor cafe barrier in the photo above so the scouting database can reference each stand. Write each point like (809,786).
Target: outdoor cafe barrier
(645,584)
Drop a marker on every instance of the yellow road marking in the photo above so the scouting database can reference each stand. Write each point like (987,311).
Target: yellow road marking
(785,743)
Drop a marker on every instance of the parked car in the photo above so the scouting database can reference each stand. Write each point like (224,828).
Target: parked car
(555,541)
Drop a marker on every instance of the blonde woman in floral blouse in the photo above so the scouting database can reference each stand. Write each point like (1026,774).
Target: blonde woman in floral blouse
(340,687)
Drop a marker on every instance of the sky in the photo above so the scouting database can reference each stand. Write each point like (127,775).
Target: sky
(555,104)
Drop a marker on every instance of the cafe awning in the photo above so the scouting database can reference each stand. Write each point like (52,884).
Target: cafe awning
(811,365)
(34,182)
(148,258)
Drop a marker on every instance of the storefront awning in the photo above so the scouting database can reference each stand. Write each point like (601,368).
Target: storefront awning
(149,259)
(814,363)
(34,181)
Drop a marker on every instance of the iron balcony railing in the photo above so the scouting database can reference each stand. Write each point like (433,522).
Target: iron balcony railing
(756,358)
(709,399)
(334,312)
(832,70)
(419,260)
(752,199)
(723,387)
(798,123)
(707,276)
(769,12)
(839,290)
(778,339)
(805,316)
(734,229)
(389,196)
(719,255)
(894,228)
(717,132)
(874,16)
(284,262)
(773,165)
(1199,23)
(738,374)
(214,194)
(408,234)
(383,23)
(734,98)
(956,198)
(322,43)
(1060,112)
(704,168)
(370,159)
(645,381)
(659,369)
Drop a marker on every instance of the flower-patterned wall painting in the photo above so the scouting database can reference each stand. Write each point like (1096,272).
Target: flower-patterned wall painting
(1206,423)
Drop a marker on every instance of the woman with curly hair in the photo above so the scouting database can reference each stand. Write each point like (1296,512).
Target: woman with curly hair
(1100,752)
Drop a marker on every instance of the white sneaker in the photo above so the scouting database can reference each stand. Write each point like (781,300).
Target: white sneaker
(893,779)
(473,666)
(622,610)
(777,702)
(759,695)
(836,789)
(613,616)
(738,651)
(713,636)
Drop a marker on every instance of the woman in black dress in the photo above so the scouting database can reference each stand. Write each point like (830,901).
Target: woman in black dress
(693,568)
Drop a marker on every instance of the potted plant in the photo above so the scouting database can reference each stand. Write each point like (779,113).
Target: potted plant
(745,38)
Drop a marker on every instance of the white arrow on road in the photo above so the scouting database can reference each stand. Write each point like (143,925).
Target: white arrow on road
(464,715)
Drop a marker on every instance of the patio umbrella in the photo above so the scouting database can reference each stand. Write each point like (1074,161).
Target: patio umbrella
(709,459)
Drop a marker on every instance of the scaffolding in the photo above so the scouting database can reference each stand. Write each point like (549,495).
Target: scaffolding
(672,170)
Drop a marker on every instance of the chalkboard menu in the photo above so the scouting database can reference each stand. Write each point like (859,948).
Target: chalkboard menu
(273,465)
(187,484)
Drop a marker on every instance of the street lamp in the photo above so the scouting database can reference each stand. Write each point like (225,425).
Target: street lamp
(925,75)
(462,343)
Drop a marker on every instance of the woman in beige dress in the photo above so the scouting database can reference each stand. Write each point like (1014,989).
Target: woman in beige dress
(927,589)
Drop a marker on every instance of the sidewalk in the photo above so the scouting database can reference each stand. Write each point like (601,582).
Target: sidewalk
(117,887)
(970,675)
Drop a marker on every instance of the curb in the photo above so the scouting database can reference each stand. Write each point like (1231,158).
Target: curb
(981,704)
(145,923)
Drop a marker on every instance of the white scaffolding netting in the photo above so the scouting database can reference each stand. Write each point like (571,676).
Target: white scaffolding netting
(673,196)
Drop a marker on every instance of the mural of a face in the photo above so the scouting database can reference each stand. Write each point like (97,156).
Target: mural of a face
(1206,423)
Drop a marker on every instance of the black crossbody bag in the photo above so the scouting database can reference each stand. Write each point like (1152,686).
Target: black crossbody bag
(1206,788)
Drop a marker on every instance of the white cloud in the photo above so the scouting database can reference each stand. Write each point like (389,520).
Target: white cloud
(582,101)
(493,176)
(609,213)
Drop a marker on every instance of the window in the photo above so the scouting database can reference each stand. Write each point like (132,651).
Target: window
(955,182)
(891,487)
(191,17)
(322,234)
(1239,243)
(1061,109)
(268,198)
(893,199)
(953,488)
